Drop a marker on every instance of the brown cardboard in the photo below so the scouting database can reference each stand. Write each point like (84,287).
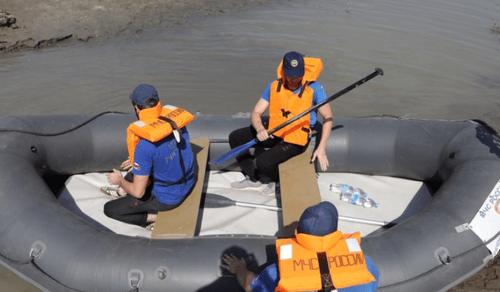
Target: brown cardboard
(299,189)
(181,221)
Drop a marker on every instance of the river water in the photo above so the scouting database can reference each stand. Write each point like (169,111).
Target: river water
(441,60)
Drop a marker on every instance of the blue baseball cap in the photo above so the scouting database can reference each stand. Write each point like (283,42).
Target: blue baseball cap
(293,64)
(319,220)
(142,93)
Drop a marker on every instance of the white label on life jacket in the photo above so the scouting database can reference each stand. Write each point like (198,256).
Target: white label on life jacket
(140,124)
(286,252)
(170,107)
(353,245)
(485,223)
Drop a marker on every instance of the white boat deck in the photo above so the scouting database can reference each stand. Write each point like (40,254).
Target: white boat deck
(398,198)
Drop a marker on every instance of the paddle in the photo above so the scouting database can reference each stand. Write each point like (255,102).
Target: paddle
(234,152)
(217,199)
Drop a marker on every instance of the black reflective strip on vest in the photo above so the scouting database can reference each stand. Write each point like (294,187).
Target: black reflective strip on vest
(280,82)
(326,278)
(303,88)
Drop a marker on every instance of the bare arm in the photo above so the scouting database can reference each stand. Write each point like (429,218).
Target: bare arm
(320,153)
(256,118)
(136,189)
(239,268)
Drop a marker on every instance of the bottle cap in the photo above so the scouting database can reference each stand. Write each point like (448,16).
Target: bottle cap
(355,199)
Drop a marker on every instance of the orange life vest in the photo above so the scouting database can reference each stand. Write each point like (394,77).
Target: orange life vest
(155,124)
(299,266)
(284,105)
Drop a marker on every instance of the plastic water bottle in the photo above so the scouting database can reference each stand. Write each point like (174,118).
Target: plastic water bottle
(336,187)
(369,203)
(347,193)
(356,196)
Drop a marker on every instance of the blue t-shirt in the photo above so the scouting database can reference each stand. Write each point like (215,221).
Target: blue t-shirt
(161,161)
(318,97)
(267,280)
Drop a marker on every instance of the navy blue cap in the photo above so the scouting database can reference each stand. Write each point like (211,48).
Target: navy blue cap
(142,93)
(293,64)
(319,220)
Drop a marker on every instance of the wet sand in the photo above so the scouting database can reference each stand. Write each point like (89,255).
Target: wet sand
(11,282)
(32,24)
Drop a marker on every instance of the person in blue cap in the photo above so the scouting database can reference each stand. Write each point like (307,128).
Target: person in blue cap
(319,258)
(295,90)
(161,159)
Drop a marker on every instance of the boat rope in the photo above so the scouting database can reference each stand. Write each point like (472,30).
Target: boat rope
(62,132)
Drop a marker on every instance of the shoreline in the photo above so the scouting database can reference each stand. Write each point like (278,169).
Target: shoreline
(32,24)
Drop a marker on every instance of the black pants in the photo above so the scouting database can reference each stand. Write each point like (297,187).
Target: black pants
(135,211)
(267,161)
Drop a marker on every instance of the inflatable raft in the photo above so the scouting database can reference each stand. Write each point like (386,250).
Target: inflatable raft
(450,239)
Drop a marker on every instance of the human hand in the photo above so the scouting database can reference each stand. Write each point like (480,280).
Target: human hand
(320,154)
(262,135)
(232,263)
(126,165)
(114,177)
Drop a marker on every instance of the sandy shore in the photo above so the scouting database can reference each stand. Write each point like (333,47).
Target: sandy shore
(486,280)
(33,24)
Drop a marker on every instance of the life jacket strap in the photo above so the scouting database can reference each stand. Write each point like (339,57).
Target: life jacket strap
(186,175)
(303,88)
(326,278)
(175,128)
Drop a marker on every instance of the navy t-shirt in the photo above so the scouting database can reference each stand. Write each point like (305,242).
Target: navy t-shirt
(161,160)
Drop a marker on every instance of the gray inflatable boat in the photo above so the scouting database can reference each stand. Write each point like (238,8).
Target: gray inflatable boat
(453,237)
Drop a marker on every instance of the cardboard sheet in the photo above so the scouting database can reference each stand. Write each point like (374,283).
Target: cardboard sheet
(299,189)
(181,221)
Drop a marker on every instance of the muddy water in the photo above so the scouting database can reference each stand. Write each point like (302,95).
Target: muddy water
(441,60)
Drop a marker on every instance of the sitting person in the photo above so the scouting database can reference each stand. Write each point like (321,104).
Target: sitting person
(163,172)
(295,91)
(319,258)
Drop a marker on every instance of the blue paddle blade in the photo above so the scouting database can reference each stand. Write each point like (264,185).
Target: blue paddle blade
(232,153)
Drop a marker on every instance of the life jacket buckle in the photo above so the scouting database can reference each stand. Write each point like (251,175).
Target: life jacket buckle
(177,136)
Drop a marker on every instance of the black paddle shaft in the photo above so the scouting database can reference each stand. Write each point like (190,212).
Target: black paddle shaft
(378,71)
(241,148)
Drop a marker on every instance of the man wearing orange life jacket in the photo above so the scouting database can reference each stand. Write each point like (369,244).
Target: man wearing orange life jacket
(295,91)
(161,158)
(319,258)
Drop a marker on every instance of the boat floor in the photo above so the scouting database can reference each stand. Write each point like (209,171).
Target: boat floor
(398,198)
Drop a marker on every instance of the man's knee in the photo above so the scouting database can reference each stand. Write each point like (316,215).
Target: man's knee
(109,210)
(233,138)
(239,136)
